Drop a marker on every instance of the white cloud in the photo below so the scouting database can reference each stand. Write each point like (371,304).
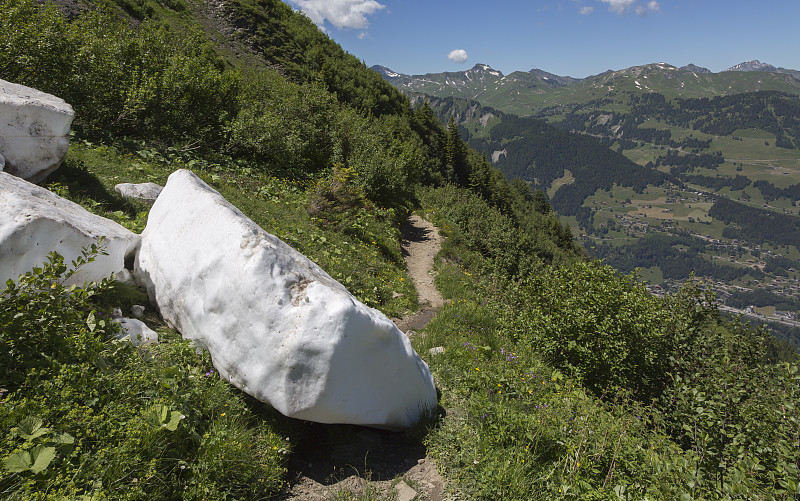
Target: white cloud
(618,6)
(458,56)
(343,14)
(585,10)
(623,6)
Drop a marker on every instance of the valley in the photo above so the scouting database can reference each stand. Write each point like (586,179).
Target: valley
(556,376)
(668,171)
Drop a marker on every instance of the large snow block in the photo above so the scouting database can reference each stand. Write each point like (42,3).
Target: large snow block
(34,131)
(35,222)
(277,326)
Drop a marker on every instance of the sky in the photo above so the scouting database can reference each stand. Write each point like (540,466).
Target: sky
(576,38)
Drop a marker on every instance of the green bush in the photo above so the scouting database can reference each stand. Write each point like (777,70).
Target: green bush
(36,311)
(606,328)
(85,415)
(498,242)
(149,83)
(577,383)
(284,127)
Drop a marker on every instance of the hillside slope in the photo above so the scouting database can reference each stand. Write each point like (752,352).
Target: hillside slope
(536,91)
(559,377)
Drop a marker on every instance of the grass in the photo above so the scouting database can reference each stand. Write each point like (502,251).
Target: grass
(362,252)
(514,426)
(224,429)
(567,178)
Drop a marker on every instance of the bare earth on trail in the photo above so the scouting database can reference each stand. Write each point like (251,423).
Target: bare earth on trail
(421,243)
(332,460)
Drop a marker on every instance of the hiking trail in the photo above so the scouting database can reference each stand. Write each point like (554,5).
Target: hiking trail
(364,461)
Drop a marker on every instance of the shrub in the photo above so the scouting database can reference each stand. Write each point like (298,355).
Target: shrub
(150,83)
(603,326)
(85,415)
(37,311)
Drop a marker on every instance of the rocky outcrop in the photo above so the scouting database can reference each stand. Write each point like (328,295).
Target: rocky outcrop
(35,221)
(147,192)
(276,325)
(34,131)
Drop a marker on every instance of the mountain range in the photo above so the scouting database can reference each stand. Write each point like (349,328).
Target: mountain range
(531,92)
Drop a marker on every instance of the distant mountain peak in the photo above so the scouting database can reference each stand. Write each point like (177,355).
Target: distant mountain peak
(552,79)
(753,65)
(485,68)
(386,72)
(695,69)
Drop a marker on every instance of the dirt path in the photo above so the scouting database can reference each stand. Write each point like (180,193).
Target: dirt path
(421,243)
(367,463)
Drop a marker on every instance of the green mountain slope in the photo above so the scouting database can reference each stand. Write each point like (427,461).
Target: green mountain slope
(542,155)
(560,378)
(537,92)
(731,140)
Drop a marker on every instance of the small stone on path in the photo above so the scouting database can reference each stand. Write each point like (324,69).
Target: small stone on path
(404,492)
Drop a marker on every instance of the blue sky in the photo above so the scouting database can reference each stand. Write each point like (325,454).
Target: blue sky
(575,38)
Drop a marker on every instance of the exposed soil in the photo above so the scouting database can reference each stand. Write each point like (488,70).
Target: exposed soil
(369,463)
(421,243)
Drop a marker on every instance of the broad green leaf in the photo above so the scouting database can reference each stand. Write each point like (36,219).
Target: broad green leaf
(30,428)
(175,418)
(21,461)
(42,456)
(91,322)
(64,439)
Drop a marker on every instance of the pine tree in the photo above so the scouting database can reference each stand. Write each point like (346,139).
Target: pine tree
(456,154)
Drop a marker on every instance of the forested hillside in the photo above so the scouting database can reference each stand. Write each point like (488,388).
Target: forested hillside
(539,153)
(560,378)
(667,184)
(773,112)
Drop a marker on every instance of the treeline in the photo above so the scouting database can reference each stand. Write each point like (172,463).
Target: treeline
(540,154)
(770,192)
(755,224)
(678,256)
(772,111)
(297,47)
(682,164)
(467,114)
(166,85)
(760,298)
(717,183)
